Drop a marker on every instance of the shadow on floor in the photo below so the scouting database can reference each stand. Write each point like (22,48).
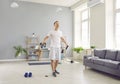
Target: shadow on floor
(101,73)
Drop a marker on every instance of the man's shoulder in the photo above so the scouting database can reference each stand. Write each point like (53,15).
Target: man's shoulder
(60,31)
(51,31)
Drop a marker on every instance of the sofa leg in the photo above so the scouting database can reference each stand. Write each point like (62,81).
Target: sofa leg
(85,67)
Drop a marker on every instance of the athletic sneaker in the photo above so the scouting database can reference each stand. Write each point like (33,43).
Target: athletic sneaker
(54,74)
(57,72)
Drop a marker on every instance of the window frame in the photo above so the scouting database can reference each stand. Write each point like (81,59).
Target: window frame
(82,21)
(114,31)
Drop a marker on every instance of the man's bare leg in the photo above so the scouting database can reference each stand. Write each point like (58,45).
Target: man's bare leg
(56,64)
(53,67)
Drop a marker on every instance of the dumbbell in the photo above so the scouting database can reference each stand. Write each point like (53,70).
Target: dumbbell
(71,61)
(43,45)
(65,48)
(28,74)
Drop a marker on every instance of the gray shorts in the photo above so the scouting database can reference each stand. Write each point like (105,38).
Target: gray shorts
(55,54)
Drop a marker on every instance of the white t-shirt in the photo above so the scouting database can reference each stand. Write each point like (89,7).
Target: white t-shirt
(55,37)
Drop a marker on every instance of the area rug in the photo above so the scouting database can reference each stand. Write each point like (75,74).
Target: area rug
(39,63)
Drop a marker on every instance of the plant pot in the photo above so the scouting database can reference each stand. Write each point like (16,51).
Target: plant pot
(19,54)
(78,56)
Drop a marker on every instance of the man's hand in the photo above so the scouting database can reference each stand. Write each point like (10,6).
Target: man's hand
(67,47)
(45,39)
(63,40)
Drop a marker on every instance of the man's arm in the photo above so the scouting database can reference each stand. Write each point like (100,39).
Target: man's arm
(45,39)
(63,40)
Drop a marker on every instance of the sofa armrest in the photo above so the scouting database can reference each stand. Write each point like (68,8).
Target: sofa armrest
(86,56)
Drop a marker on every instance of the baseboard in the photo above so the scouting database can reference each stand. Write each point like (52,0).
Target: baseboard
(41,59)
(15,60)
(11,60)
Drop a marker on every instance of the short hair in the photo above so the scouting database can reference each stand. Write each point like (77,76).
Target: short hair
(55,22)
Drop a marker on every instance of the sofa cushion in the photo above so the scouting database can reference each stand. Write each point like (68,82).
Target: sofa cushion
(90,59)
(112,64)
(99,61)
(111,54)
(99,53)
(119,67)
(118,56)
(93,57)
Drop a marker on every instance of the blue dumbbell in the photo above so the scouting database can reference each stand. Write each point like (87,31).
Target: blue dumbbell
(26,75)
(30,74)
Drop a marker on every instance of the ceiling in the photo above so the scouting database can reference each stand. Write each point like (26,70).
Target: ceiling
(66,3)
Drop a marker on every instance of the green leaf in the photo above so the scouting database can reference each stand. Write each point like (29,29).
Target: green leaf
(20,50)
(92,47)
(78,49)
(25,51)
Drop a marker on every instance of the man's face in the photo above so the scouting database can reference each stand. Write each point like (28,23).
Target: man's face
(56,25)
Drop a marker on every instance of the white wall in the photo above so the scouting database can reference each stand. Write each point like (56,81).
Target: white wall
(76,40)
(28,18)
(97,23)
(76,23)
(109,11)
(97,26)
(77,5)
(101,24)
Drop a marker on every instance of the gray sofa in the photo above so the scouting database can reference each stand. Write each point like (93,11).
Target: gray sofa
(104,60)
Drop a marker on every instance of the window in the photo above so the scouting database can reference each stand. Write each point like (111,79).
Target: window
(85,43)
(117,24)
(117,4)
(81,27)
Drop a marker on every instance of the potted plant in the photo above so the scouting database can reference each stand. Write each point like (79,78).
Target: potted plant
(78,49)
(77,54)
(20,50)
(92,47)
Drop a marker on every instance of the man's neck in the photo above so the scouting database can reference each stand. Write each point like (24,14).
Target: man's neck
(56,29)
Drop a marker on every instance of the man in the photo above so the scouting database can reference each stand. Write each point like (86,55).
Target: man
(56,37)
